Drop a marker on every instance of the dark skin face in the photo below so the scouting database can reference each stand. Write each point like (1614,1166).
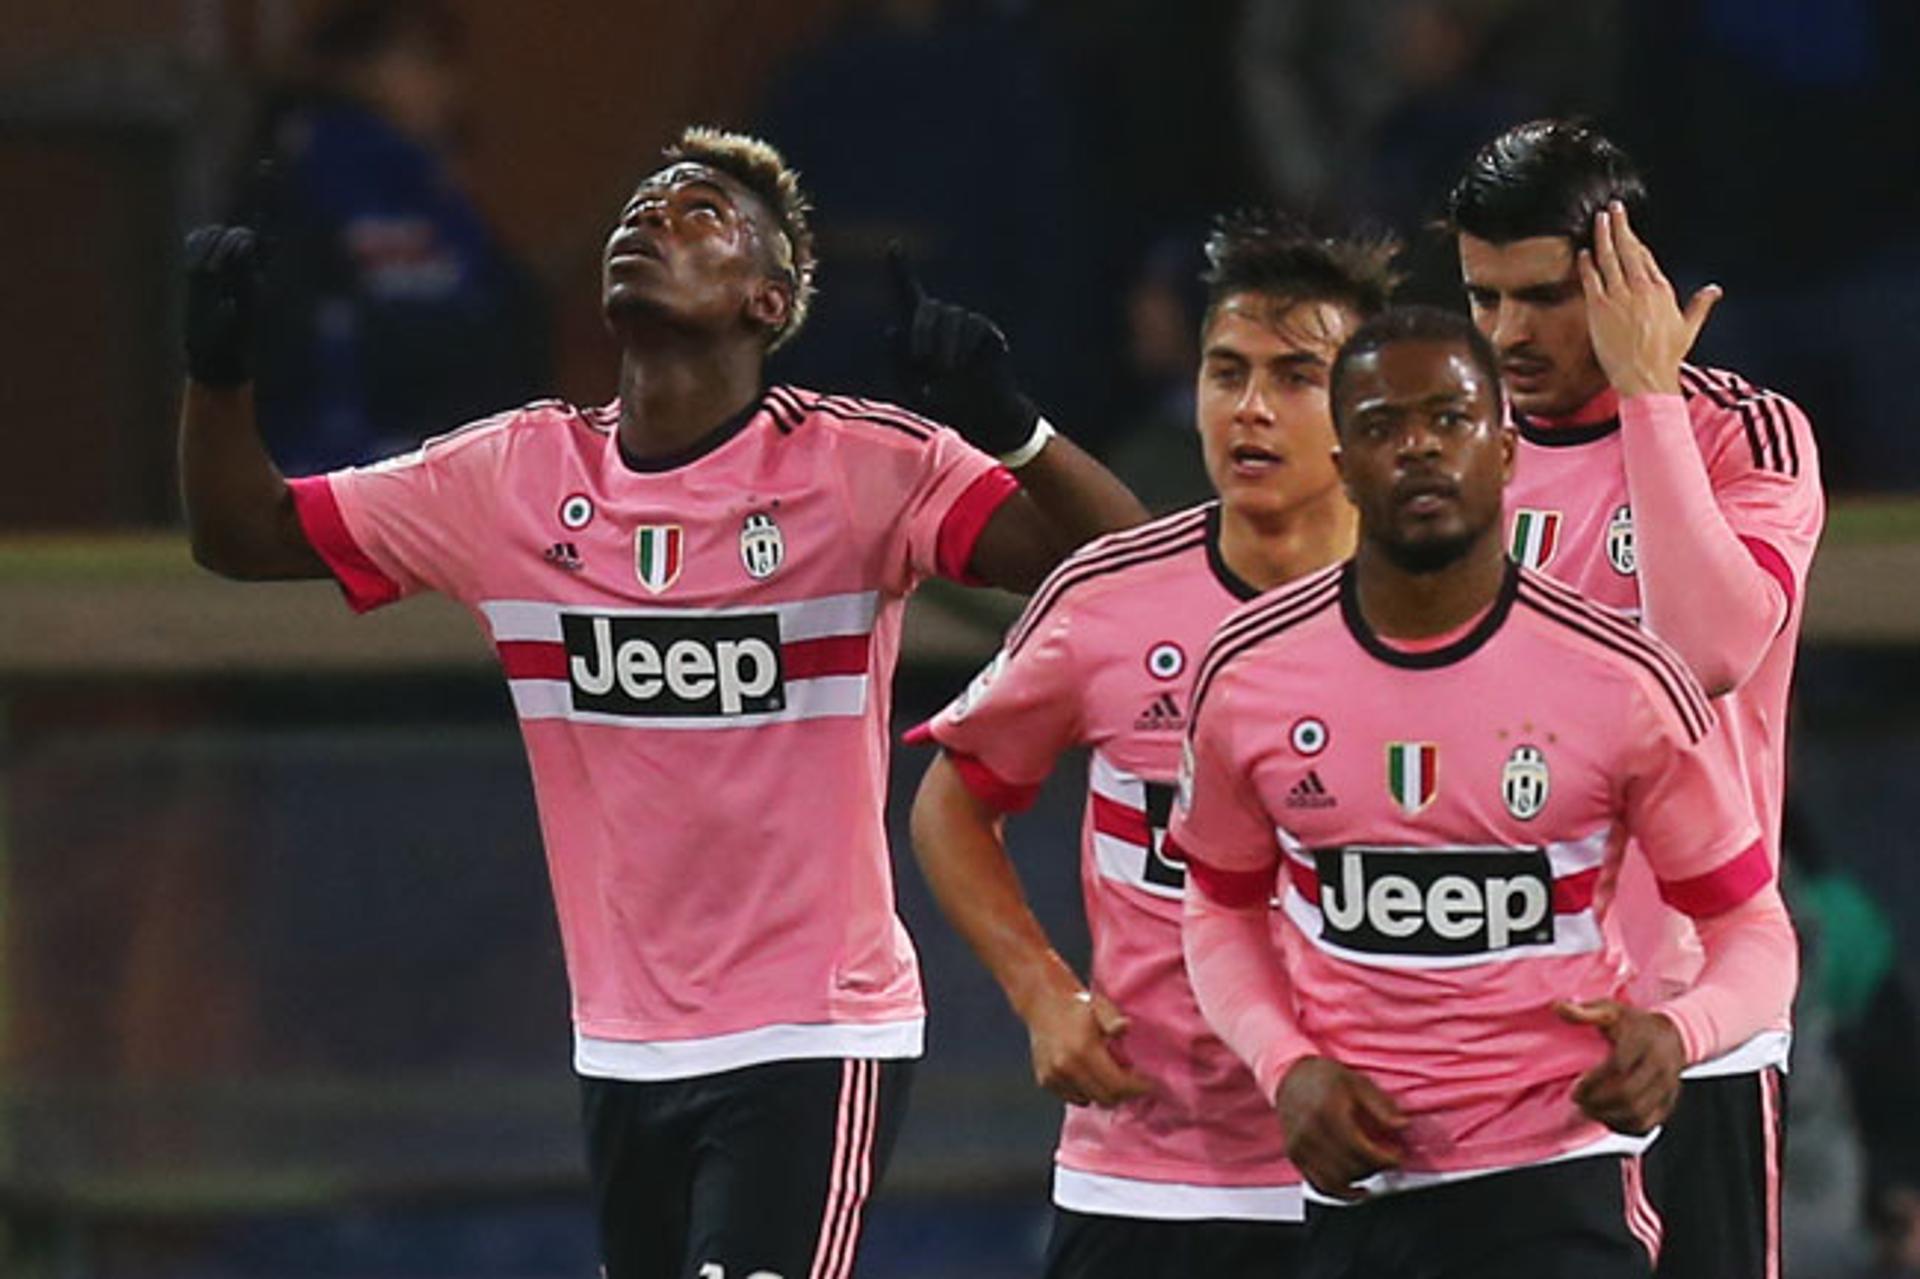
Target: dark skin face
(694,252)
(1423,452)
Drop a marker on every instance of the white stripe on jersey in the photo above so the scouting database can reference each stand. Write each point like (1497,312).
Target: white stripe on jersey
(539,620)
(1104,1195)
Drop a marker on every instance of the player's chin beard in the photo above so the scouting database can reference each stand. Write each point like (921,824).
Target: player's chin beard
(1428,556)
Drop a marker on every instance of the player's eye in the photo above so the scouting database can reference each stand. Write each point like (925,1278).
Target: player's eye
(1482,299)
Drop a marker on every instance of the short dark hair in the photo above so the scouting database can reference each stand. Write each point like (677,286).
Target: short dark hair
(1544,177)
(1413,324)
(757,166)
(1268,252)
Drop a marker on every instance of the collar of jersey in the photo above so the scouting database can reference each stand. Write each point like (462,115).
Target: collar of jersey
(1426,659)
(693,452)
(1237,586)
(1595,420)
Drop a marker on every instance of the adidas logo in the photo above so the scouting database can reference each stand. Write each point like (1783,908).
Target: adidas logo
(564,555)
(1162,715)
(1310,792)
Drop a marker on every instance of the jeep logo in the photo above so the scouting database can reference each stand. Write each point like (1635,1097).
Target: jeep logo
(674,666)
(1401,902)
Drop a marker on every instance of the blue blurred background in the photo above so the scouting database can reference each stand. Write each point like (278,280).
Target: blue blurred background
(280,993)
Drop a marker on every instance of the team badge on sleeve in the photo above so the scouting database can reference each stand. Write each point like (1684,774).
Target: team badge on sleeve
(1524,782)
(1536,535)
(1413,774)
(658,550)
(762,548)
(1620,552)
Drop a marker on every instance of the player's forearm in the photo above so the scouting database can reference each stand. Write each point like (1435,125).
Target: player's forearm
(240,513)
(1240,986)
(1702,589)
(957,841)
(1747,981)
(1080,497)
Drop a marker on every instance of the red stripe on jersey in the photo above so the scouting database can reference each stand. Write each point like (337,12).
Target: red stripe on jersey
(533,659)
(363,582)
(1306,880)
(1111,817)
(990,788)
(1773,562)
(966,519)
(1574,893)
(1234,889)
(1724,887)
(828,655)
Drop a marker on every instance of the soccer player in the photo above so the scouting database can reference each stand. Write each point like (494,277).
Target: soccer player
(1439,1015)
(1168,1164)
(695,593)
(1687,497)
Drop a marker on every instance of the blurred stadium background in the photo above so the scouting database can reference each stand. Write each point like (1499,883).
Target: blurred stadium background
(280,994)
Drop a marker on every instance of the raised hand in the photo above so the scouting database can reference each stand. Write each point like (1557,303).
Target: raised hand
(955,365)
(1340,1127)
(1073,1054)
(223,284)
(1639,332)
(1635,1088)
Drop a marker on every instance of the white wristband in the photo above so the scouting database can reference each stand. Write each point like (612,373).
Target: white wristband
(1042,432)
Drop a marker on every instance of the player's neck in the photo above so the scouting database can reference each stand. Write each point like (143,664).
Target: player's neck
(670,398)
(1267,551)
(1400,604)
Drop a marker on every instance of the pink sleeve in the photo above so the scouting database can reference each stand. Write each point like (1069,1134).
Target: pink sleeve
(1225,837)
(410,523)
(1747,983)
(956,492)
(1687,804)
(1017,718)
(1723,546)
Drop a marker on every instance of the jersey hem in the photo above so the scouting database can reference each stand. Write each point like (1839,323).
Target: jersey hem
(1768,1048)
(1385,1183)
(1105,1195)
(643,1061)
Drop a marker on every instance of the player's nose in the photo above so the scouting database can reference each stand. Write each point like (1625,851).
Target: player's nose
(1255,406)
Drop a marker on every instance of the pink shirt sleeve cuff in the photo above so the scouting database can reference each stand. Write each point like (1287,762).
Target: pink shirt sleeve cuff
(990,788)
(1234,889)
(361,580)
(966,519)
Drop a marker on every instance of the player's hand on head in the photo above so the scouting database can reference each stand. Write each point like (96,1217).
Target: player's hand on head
(1073,1058)
(223,270)
(954,365)
(1635,1087)
(1639,332)
(1340,1127)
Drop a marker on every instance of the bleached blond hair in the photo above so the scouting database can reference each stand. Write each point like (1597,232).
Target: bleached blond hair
(760,168)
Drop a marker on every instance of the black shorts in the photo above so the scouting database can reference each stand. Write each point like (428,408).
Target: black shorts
(762,1170)
(1580,1219)
(1715,1177)
(1086,1246)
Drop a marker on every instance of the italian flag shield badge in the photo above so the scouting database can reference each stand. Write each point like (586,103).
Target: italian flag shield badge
(657,553)
(1413,774)
(1535,536)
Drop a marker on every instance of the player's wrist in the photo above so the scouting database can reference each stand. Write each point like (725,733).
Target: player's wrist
(1035,443)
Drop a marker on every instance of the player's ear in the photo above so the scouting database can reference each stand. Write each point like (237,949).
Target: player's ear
(769,303)
(1509,450)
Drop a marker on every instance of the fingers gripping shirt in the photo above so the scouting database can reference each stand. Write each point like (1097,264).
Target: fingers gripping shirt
(1442,873)
(1104,657)
(699,656)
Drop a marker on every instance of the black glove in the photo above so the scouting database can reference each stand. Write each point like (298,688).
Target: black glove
(955,366)
(222,285)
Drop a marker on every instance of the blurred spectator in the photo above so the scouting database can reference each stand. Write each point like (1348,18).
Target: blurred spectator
(1157,452)
(940,124)
(1784,139)
(1366,109)
(394,312)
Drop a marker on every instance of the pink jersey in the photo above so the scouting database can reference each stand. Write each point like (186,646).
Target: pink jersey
(700,652)
(1443,825)
(1104,657)
(1571,515)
